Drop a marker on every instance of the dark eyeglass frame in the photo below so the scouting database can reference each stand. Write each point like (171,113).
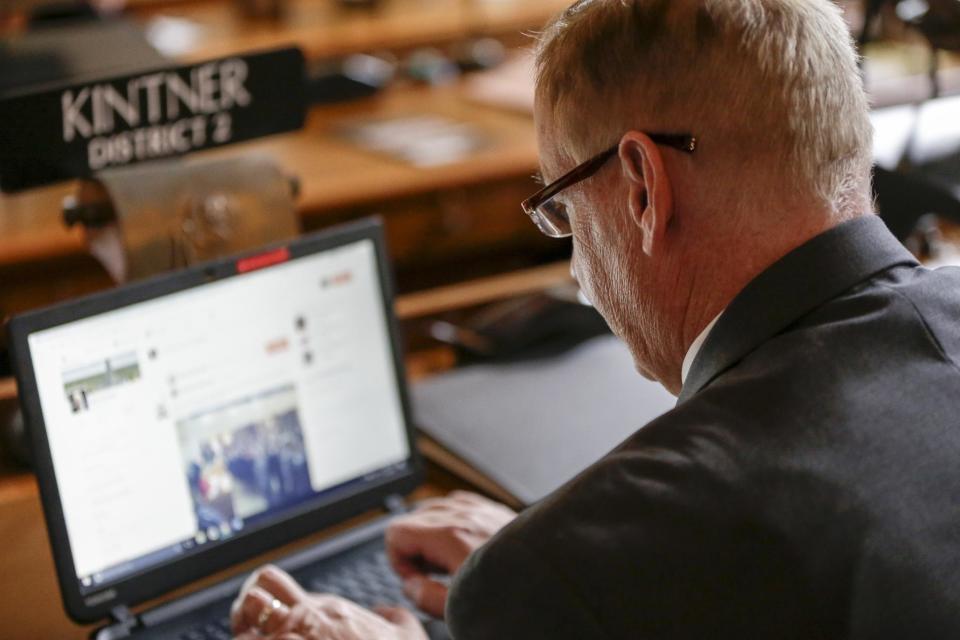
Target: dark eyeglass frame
(531,206)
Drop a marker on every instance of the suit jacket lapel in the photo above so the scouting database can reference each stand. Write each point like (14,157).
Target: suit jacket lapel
(801,281)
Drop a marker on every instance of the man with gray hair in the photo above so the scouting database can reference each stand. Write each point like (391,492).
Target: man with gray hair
(711,161)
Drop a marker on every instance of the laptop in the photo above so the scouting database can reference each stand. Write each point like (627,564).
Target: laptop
(187,423)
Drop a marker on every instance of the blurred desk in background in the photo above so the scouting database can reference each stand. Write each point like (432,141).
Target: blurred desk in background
(201,29)
(445,220)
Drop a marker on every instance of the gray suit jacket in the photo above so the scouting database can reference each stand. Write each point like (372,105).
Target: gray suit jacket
(807,485)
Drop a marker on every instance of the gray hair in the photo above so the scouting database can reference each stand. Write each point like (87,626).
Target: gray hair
(774,82)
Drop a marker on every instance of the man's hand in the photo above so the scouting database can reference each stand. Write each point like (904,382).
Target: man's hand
(272,605)
(437,538)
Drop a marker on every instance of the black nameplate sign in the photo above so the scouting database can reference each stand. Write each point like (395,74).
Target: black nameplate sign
(75,131)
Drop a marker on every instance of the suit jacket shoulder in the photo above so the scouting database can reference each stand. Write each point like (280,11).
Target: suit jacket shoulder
(804,486)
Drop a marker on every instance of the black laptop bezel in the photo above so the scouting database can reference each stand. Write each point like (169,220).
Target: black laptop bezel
(155,582)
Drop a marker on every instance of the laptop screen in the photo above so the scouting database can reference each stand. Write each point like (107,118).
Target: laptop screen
(177,423)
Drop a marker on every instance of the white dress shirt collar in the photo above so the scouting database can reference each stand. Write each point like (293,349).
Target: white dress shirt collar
(695,349)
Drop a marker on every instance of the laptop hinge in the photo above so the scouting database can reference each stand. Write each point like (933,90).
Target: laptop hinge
(395,504)
(124,620)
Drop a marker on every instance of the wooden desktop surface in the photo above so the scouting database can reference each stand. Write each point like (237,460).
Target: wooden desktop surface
(325,29)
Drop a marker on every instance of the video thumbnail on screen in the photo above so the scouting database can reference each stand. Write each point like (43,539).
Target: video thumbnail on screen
(244,459)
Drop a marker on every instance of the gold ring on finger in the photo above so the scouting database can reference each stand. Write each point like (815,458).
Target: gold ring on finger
(267,612)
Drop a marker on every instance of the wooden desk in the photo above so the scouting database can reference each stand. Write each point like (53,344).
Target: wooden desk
(30,604)
(434,216)
(325,29)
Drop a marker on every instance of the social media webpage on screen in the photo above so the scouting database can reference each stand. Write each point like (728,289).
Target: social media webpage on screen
(177,423)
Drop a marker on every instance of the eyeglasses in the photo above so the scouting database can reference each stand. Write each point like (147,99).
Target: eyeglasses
(550,215)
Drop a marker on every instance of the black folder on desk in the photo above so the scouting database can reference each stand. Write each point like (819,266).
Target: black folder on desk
(531,426)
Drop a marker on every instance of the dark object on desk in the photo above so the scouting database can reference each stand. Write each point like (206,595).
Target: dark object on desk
(903,199)
(13,440)
(60,11)
(521,329)
(359,4)
(13,436)
(530,426)
(358,76)
(479,55)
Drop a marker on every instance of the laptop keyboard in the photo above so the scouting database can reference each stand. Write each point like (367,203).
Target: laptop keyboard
(362,575)
(219,630)
(367,580)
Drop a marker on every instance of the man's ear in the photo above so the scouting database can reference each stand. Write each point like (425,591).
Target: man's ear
(650,198)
